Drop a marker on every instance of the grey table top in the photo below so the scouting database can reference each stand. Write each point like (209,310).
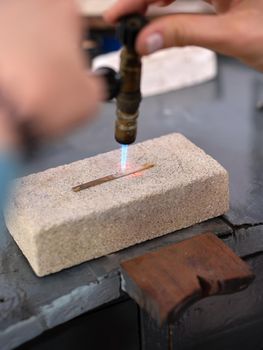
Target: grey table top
(220,117)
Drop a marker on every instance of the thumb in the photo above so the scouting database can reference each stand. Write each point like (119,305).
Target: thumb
(208,31)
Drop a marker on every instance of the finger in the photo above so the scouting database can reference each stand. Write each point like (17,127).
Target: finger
(180,30)
(124,7)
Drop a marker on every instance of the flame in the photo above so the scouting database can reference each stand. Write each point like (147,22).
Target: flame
(124,164)
(124,156)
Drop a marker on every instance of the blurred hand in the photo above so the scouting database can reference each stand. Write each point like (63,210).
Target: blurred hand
(42,67)
(235,30)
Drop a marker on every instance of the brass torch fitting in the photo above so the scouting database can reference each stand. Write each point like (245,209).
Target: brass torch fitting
(129,97)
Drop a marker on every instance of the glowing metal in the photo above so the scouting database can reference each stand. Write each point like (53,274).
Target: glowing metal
(112,177)
(124,156)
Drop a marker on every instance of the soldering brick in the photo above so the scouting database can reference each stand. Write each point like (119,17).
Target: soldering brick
(57,228)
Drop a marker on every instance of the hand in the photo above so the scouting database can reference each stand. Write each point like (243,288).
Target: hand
(42,68)
(235,30)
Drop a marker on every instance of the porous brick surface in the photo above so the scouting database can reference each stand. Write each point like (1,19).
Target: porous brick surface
(57,228)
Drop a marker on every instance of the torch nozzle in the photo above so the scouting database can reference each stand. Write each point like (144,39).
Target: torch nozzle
(126,127)
(126,85)
(129,97)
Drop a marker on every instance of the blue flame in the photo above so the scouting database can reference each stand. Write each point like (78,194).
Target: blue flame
(124,155)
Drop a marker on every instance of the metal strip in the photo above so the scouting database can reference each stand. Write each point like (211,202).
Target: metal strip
(111,177)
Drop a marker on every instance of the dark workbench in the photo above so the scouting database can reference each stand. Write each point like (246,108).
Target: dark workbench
(220,117)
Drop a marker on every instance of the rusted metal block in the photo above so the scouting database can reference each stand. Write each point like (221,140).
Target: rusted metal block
(169,280)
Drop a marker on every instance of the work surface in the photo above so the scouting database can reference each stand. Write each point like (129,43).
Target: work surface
(220,117)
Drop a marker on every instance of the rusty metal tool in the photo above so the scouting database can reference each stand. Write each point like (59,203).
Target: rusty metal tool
(168,281)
